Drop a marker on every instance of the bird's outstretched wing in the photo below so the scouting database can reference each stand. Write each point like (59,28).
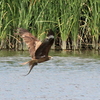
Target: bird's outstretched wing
(38,50)
(32,42)
(42,51)
(44,48)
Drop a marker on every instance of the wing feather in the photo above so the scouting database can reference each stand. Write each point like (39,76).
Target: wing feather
(44,48)
(32,42)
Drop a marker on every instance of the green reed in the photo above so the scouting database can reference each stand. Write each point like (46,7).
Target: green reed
(40,15)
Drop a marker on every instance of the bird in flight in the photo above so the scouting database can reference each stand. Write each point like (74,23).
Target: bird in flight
(38,50)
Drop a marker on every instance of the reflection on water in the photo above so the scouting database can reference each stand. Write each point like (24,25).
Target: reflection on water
(67,76)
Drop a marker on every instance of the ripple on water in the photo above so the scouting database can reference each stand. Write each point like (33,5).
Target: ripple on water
(61,78)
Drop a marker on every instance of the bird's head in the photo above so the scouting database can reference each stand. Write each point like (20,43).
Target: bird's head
(50,34)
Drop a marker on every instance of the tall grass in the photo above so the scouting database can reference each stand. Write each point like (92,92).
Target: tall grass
(90,30)
(76,22)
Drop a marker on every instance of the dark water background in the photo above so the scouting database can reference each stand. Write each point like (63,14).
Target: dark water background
(67,76)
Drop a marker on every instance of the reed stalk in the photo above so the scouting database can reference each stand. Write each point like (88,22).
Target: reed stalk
(77,21)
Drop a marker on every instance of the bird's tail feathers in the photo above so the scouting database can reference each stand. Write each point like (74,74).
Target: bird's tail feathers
(31,63)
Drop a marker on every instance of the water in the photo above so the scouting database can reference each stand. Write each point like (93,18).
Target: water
(67,76)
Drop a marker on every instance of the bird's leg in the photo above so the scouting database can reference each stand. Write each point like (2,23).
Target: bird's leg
(25,63)
(29,62)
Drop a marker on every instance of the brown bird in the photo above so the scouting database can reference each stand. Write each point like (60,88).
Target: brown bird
(38,50)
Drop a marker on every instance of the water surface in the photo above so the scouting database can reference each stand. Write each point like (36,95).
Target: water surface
(67,76)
